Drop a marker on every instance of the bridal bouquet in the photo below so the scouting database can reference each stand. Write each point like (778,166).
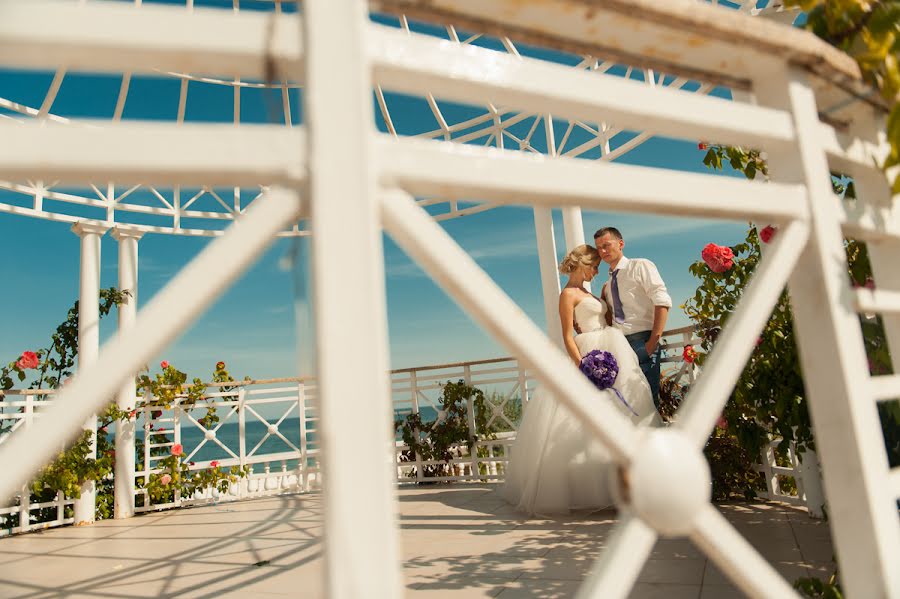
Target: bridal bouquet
(602,369)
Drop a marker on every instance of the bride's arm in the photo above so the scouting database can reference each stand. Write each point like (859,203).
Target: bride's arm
(566,317)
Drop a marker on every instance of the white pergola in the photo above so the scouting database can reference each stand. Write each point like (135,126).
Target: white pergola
(803,104)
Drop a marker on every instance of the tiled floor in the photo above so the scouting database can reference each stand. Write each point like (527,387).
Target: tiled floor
(457,541)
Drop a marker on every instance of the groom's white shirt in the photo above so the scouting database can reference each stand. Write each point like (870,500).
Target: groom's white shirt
(640,289)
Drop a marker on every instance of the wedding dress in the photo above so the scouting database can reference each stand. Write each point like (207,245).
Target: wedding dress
(556,465)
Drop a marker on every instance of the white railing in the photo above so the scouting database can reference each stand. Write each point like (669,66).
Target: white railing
(270,428)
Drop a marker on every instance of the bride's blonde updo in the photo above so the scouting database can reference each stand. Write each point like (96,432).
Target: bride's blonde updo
(582,255)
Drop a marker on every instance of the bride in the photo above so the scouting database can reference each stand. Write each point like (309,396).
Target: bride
(556,465)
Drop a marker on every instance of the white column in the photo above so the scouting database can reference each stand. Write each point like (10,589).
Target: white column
(127,397)
(573,227)
(361,549)
(862,512)
(549,263)
(88,339)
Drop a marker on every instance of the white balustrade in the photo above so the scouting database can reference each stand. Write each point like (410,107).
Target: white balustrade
(281,411)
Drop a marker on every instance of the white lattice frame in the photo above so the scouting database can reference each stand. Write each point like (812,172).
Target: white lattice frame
(800,201)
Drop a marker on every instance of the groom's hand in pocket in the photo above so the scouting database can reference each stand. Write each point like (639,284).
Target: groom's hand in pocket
(651,346)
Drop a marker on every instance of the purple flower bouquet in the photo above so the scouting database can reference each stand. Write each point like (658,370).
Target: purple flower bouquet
(602,369)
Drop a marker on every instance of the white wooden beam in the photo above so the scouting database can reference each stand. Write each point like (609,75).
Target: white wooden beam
(426,168)
(114,37)
(152,153)
(416,64)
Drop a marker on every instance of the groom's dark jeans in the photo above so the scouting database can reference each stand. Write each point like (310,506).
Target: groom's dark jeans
(649,363)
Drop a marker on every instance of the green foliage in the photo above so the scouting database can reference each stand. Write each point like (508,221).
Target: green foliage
(731,465)
(870,33)
(768,398)
(76,463)
(438,439)
(57,360)
(814,587)
(749,162)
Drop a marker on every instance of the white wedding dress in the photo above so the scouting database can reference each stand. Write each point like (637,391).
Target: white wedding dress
(556,466)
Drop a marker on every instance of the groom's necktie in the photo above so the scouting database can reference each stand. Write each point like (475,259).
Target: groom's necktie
(618,312)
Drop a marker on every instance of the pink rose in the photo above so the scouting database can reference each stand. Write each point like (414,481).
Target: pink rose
(767,233)
(214,464)
(164,364)
(759,341)
(722,423)
(717,257)
(28,360)
(165,479)
(689,354)
(177,449)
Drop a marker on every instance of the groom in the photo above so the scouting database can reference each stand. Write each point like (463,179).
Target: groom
(639,301)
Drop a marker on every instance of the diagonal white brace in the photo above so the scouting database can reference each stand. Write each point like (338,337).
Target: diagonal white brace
(168,314)
(737,558)
(454,270)
(614,574)
(733,348)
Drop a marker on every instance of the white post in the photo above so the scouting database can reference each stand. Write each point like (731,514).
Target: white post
(573,227)
(127,397)
(362,557)
(88,341)
(811,478)
(546,246)
(862,513)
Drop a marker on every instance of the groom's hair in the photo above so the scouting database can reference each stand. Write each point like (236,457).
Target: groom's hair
(611,230)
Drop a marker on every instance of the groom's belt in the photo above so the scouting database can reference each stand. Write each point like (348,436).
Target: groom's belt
(638,335)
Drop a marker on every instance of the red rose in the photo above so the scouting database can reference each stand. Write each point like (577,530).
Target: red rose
(28,360)
(220,365)
(156,413)
(767,233)
(177,449)
(214,463)
(689,354)
(163,364)
(717,257)
(702,146)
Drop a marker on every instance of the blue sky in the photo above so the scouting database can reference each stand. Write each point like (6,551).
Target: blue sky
(252,326)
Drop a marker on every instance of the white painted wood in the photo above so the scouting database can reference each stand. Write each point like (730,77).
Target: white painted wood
(127,397)
(414,64)
(162,319)
(863,517)
(117,38)
(737,558)
(708,395)
(621,562)
(88,342)
(505,177)
(459,275)
(885,387)
(144,152)
(362,557)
